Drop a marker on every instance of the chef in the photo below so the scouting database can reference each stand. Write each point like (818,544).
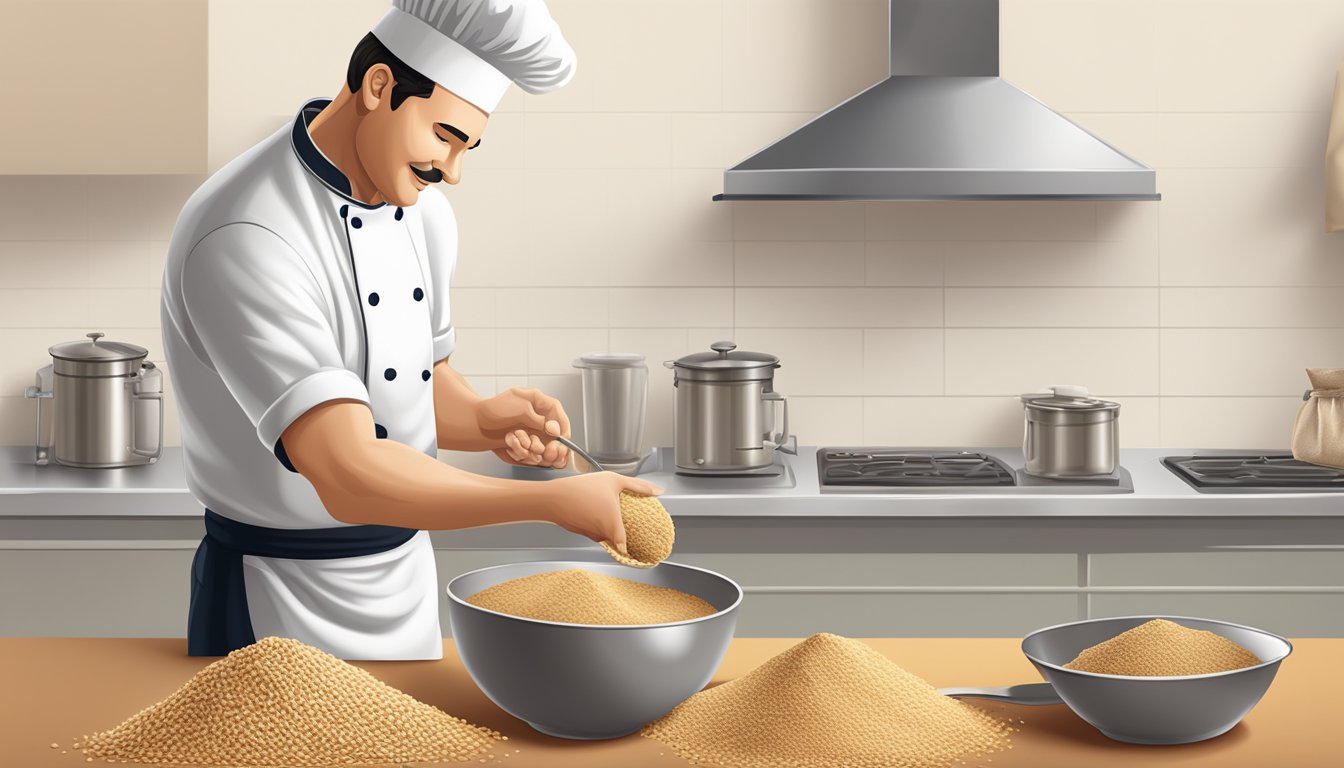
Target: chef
(307,331)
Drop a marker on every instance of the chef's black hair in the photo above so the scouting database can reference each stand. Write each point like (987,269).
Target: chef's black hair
(407,82)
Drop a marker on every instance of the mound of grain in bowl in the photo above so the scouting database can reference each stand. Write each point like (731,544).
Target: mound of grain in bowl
(279,702)
(577,596)
(828,701)
(1161,648)
(649,532)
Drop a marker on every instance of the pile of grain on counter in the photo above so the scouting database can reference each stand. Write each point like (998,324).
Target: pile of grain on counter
(1161,648)
(577,596)
(828,701)
(279,702)
(649,532)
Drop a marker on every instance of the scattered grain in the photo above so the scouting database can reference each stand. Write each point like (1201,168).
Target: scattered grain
(827,701)
(1161,648)
(281,702)
(578,596)
(649,532)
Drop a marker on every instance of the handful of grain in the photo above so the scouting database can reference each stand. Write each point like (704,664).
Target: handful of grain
(828,701)
(649,532)
(279,702)
(1161,648)
(577,596)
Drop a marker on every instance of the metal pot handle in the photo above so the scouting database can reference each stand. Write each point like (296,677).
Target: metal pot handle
(40,393)
(780,440)
(137,396)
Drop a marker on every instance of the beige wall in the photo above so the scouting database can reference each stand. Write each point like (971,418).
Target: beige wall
(586,222)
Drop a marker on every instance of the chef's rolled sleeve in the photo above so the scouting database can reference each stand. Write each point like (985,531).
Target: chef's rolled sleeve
(262,323)
(441,242)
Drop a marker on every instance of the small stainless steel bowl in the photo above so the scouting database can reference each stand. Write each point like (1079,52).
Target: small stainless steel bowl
(585,681)
(1155,710)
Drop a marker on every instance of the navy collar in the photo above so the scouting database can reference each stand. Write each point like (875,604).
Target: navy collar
(313,159)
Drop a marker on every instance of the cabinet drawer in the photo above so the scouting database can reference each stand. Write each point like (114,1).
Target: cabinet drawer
(889,569)
(95,593)
(1269,568)
(1291,615)
(901,615)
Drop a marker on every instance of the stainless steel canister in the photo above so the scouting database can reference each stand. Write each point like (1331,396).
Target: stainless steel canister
(724,410)
(103,411)
(615,393)
(1069,434)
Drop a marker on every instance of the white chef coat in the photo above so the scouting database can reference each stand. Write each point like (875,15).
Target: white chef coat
(282,291)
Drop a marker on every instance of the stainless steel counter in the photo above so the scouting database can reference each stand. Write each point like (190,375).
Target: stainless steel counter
(159,490)
(858,564)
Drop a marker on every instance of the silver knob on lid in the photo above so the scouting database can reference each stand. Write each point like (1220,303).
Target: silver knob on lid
(723,347)
(95,335)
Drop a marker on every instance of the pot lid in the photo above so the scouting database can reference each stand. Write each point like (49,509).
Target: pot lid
(609,360)
(1067,398)
(96,351)
(723,358)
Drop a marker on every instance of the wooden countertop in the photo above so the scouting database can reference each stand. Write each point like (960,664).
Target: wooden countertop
(56,689)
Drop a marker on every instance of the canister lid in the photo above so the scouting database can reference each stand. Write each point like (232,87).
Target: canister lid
(1072,399)
(609,360)
(96,351)
(725,357)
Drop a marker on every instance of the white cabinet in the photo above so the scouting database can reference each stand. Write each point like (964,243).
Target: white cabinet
(267,57)
(103,86)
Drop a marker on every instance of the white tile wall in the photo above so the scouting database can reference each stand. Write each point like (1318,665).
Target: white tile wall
(586,221)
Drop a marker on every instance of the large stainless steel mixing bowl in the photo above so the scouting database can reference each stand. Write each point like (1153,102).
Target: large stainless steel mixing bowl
(583,681)
(1155,710)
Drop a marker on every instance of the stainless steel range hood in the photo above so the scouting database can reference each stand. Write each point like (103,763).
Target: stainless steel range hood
(943,126)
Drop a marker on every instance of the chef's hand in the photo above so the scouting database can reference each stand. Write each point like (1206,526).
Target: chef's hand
(590,505)
(520,419)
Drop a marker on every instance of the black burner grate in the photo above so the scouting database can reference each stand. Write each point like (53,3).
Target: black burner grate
(1253,471)
(882,467)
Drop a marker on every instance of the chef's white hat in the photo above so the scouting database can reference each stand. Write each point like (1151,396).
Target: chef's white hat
(475,48)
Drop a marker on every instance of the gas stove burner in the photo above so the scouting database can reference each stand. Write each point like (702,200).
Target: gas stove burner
(1254,471)
(879,467)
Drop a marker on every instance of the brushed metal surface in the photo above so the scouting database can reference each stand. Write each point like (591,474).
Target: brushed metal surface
(942,126)
(1062,451)
(614,404)
(1155,710)
(106,421)
(721,425)
(1159,501)
(580,681)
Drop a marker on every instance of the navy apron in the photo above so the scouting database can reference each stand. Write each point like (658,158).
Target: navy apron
(218,621)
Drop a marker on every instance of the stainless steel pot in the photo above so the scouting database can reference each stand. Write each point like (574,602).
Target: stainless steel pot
(1069,434)
(102,413)
(725,410)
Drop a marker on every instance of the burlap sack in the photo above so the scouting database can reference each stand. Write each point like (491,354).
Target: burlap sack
(1318,434)
(1334,160)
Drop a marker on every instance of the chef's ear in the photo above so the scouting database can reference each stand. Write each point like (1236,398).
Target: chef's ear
(377,86)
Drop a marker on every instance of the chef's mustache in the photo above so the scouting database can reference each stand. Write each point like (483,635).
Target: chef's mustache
(433,175)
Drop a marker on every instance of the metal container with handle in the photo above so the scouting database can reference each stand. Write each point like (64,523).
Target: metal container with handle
(107,405)
(724,410)
(1069,434)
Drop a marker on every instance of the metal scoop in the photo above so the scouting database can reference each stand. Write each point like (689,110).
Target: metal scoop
(582,454)
(1032,694)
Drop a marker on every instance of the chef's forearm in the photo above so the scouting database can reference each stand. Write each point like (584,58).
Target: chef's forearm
(364,480)
(455,412)
(389,483)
